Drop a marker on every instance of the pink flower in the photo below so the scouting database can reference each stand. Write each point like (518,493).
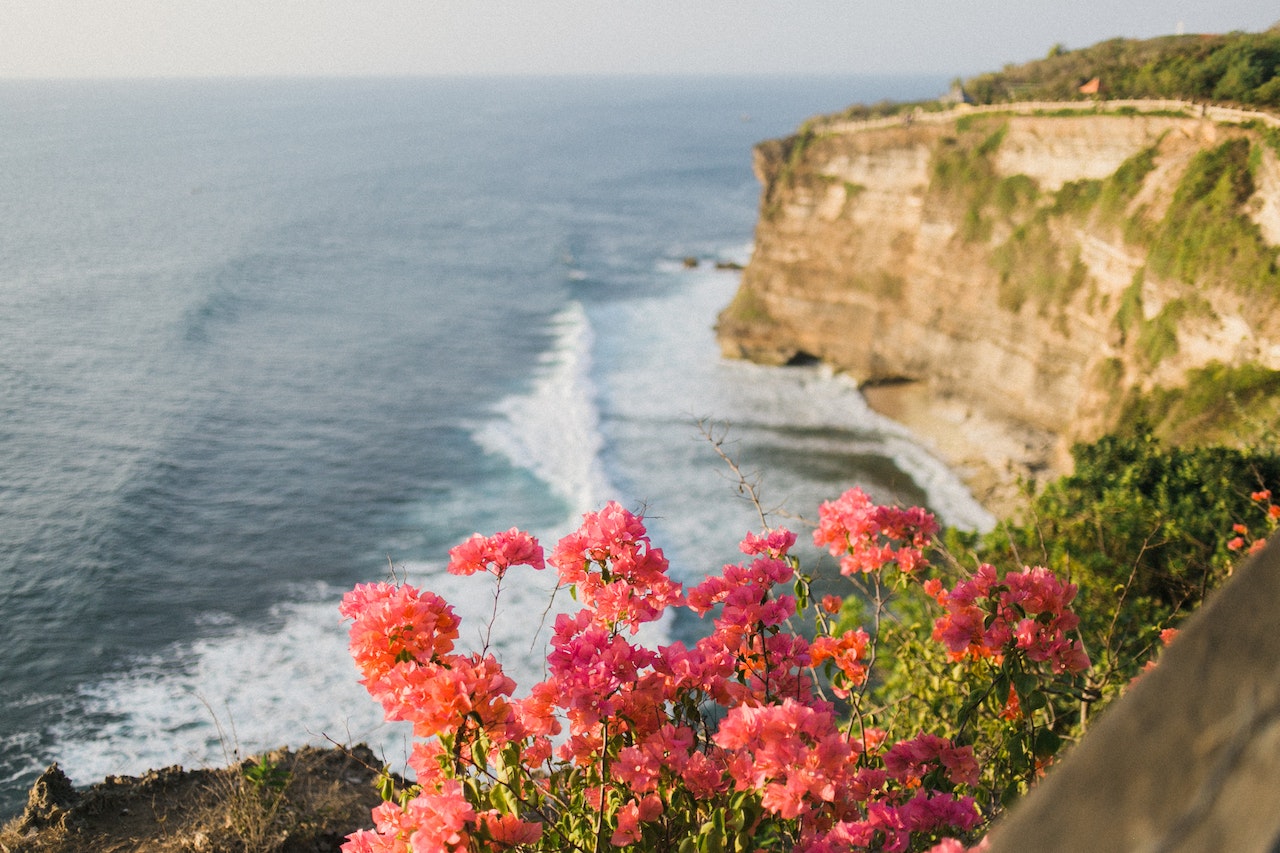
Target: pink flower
(439,820)
(913,759)
(396,625)
(775,543)
(792,753)
(615,570)
(929,812)
(704,774)
(508,830)
(868,537)
(1027,611)
(628,831)
(495,554)
(442,697)
(631,815)
(832,603)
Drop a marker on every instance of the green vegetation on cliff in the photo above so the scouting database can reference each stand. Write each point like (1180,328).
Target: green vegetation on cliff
(1237,67)
(1218,403)
(1203,242)
(1204,237)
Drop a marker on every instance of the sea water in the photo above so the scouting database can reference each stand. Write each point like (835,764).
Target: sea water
(262,340)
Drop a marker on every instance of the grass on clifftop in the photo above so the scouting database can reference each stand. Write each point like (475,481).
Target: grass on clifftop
(1220,403)
(1237,67)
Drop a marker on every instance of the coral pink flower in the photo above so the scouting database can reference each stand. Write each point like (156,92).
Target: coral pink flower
(631,815)
(396,625)
(508,830)
(792,753)
(1028,611)
(615,570)
(439,819)
(847,652)
(495,554)
(704,774)
(775,543)
(913,759)
(863,535)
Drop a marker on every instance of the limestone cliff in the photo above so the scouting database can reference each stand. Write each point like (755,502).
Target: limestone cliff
(1008,282)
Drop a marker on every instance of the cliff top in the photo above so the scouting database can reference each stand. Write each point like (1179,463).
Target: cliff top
(1234,68)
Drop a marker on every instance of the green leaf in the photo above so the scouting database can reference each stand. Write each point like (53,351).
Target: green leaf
(1046,743)
(802,594)
(712,838)
(1025,684)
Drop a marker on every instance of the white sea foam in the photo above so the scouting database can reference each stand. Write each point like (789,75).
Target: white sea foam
(661,370)
(291,680)
(256,688)
(554,429)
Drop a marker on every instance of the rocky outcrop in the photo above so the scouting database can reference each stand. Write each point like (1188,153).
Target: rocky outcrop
(1007,283)
(286,801)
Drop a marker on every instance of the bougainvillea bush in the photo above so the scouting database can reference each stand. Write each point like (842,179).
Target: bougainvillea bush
(787,726)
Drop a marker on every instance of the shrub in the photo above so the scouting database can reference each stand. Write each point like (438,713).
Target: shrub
(909,715)
(1140,527)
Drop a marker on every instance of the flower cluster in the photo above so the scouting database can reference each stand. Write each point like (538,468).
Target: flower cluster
(495,554)
(866,537)
(1244,539)
(730,740)
(617,573)
(1026,611)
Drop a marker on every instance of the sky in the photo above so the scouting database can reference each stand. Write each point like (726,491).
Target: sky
(218,38)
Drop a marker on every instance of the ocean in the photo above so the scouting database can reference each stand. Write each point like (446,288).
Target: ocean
(262,340)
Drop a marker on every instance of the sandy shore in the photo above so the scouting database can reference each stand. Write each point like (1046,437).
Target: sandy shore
(999,460)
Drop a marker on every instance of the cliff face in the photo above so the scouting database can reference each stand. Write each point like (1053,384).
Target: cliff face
(1008,284)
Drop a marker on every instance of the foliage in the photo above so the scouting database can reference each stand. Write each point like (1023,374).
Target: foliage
(1031,266)
(1122,185)
(791,153)
(1129,314)
(266,774)
(1219,402)
(745,307)
(1236,67)
(1140,527)
(1205,236)
(1075,198)
(1158,337)
(964,175)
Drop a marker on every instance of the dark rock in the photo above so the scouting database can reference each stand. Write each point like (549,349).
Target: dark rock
(50,800)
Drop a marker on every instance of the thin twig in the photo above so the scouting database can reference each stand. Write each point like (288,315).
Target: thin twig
(746,486)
